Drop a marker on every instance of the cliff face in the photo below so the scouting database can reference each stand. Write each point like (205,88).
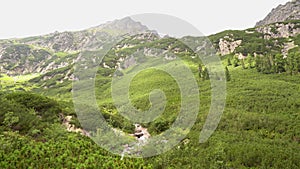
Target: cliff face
(289,11)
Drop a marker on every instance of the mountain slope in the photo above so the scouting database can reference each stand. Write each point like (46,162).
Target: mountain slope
(46,53)
(289,11)
(277,38)
(55,68)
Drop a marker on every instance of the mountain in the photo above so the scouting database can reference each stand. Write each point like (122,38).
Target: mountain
(123,25)
(42,54)
(59,50)
(48,60)
(287,12)
(75,41)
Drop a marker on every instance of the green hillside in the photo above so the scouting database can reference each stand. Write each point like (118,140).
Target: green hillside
(259,128)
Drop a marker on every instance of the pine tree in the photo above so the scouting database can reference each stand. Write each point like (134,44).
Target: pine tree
(297,62)
(258,63)
(235,62)
(200,70)
(205,74)
(243,64)
(250,61)
(229,62)
(227,74)
(279,63)
(267,65)
(290,63)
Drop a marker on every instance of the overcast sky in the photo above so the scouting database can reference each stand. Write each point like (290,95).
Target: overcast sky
(22,18)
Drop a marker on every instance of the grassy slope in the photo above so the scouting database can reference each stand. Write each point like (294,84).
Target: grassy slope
(16,82)
(259,128)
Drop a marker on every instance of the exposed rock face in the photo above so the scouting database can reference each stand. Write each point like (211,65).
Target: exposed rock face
(287,47)
(130,61)
(71,127)
(289,11)
(141,133)
(228,45)
(279,30)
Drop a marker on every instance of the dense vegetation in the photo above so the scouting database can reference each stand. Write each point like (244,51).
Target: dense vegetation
(30,114)
(32,135)
(66,151)
(259,128)
(269,63)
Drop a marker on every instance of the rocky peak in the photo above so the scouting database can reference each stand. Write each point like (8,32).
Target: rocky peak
(126,24)
(80,40)
(289,11)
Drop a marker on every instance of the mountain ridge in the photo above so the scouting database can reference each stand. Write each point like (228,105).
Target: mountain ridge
(286,12)
(57,50)
(41,54)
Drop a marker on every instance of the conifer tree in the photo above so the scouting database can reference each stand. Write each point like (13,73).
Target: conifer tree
(229,62)
(205,74)
(227,74)
(200,70)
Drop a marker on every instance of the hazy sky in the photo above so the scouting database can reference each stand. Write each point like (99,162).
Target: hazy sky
(21,18)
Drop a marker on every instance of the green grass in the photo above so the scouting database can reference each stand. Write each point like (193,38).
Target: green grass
(17,82)
(140,88)
(61,54)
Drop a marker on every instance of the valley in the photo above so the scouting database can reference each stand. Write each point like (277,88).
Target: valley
(259,128)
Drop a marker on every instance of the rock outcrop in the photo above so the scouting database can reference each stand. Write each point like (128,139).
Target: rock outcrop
(141,133)
(71,127)
(287,46)
(279,30)
(228,45)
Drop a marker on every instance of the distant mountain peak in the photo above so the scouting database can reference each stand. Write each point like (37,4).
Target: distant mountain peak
(126,24)
(289,11)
